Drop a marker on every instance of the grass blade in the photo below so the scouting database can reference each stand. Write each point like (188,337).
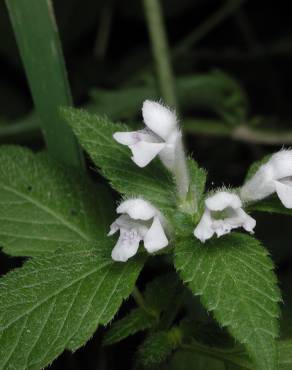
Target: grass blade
(39,45)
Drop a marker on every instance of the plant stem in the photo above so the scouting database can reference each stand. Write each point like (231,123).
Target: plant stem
(204,28)
(103,33)
(39,45)
(30,125)
(139,299)
(242,132)
(153,13)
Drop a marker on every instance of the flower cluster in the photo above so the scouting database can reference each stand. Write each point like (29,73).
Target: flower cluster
(224,210)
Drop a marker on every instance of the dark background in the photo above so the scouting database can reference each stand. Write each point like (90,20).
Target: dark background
(253,45)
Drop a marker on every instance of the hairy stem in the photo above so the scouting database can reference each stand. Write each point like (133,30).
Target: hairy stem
(153,13)
(139,299)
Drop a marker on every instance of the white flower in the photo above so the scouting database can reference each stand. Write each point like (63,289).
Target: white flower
(160,137)
(273,176)
(223,212)
(139,221)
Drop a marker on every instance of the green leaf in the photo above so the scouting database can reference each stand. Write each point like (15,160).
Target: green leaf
(96,136)
(184,360)
(235,279)
(194,200)
(272,204)
(137,320)
(57,302)
(44,207)
(285,354)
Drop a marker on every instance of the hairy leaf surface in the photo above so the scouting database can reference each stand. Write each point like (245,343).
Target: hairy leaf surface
(137,320)
(44,207)
(235,279)
(96,135)
(57,302)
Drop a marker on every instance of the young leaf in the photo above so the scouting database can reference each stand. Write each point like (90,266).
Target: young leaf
(155,349)
(96,136)
(137,320)
(194,201)
(57,302)
(44,207)
(235,279)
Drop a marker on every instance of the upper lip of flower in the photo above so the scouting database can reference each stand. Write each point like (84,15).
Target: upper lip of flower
(273,176)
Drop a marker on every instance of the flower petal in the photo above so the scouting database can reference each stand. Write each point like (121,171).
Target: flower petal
(144,152)
(284,192)
(137,208)
(126,138)
(260,185)
(169,154)
(281,162)
(113,229)
(127,245)
(204,230)
(223,227)
(248,223)
(155,239)
(222,200)
(161,120)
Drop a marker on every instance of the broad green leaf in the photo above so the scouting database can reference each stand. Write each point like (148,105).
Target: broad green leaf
(57,302)
(234,277)
(238,359)
(96,136)
(137,320)
(44,207)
